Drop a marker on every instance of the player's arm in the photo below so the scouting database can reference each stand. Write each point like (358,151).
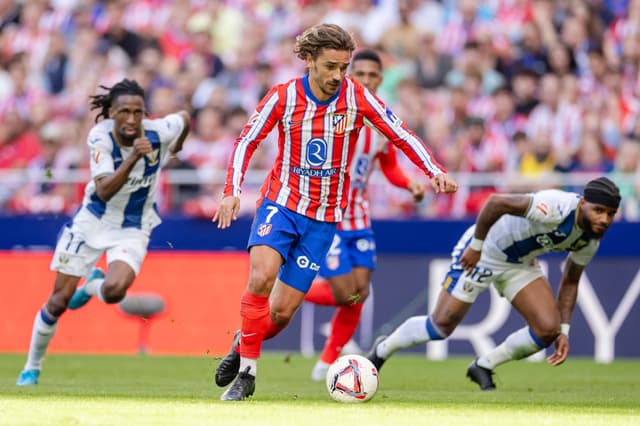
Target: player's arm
(493,209)
(395,175)
(387,123)
(176,146)
(567,296)
(268,113)
(568,291)
(108,185)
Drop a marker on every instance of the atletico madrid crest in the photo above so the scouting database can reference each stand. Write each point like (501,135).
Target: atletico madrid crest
(264,229)
(339,123)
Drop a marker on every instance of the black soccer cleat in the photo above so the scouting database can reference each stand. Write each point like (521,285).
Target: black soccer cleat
(373,356)
(482,376)
(242,388)
(228,368)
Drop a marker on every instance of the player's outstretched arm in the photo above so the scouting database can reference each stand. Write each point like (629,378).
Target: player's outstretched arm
(567,296)
(228,211)
(493,209)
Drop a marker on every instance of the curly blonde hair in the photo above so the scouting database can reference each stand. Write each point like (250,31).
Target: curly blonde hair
(322,36)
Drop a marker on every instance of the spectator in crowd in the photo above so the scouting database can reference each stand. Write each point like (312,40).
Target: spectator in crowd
(52,55)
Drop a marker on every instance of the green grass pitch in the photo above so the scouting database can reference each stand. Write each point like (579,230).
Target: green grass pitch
(155,390)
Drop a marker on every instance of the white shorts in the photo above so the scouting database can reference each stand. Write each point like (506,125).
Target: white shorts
(507,278)
(82,242)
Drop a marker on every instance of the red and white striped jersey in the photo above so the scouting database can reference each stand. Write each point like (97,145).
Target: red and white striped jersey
(316,142)
(370,146)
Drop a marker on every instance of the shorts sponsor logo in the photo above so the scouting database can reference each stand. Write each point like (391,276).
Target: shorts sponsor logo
(363,244)
(304,263)
(468,287)
(264,229)
(63,259)
(333,262)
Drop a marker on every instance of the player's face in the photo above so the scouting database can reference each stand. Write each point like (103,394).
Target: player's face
(368,73)
(327,72)
(127,111)
(596,218)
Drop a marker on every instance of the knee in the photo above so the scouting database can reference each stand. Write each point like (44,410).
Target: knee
(547,331)
(445,323)
(261,279)
(281,316)
(57,303)
(114,290)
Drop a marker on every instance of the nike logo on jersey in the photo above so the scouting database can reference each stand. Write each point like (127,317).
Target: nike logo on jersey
(247,334)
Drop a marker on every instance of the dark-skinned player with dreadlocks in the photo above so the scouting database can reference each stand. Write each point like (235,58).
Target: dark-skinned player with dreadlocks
(117,213)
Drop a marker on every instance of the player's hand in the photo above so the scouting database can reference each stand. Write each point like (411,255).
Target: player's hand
(444,183)
(469,259)
(562,351)
(228,211)
(142,146)
(417,190)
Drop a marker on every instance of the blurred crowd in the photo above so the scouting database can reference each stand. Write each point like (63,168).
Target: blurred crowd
(510,91)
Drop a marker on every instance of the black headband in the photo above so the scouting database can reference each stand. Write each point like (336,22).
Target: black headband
(602,191)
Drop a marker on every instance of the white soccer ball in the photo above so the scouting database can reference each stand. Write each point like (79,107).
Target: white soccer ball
(352,378)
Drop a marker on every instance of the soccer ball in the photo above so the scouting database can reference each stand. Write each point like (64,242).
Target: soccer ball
(352,378)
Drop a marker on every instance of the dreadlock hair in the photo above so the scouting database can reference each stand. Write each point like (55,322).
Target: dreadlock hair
(105,100)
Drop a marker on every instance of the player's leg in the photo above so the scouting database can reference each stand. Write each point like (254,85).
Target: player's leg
(336,263)
(242,361)
(459,292)
(537,305)
(44,327)
(299,270)
(126,249)
(346,318)
(447,314)
(271,235)
(529,292)
(351,291)
(73,258)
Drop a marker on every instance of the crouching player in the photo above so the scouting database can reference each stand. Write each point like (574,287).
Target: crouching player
(502,248)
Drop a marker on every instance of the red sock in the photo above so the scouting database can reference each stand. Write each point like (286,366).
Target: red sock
(320,293)
(254,311)
(344,324)
(273,329)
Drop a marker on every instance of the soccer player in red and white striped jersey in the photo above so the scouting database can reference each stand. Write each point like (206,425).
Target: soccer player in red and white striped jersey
(346,272)
(318,118)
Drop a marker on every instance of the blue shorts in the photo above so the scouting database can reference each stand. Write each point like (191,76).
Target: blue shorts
(349,249)
(301,241)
